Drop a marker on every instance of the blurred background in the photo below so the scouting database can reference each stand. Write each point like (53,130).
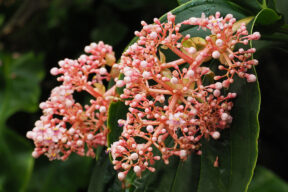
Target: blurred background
(36,34)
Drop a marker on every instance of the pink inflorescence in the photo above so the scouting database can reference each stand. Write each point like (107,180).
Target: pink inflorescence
(171,100)
(66,126)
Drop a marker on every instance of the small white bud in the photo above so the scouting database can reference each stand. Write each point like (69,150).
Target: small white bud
(191,50)
(143,64)
(218,85)
(68,103)
(121,176)
(103,71)
(89,136)
(219,42)
(35,154)
(215,54)
(146,74)
(30,134)
(54,71)
(190,73)
(216,93)
(137,169)
(138,97)
(224,116)
(120,83)
(87,49)
(251,78)
(102,109)
(150,128)
(183,154)
(134,156)
(174,80)
(153,35)
(215,135)
(79,143)
(71,131)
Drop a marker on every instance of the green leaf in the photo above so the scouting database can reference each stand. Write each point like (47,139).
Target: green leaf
(266,181)
(281,6)
(58,176)
(267,17)
(180,2)
(16,161)
(19,89)
(104,177)
(251,5)
(236,149)
(177,176)
(119,90)
(117,110)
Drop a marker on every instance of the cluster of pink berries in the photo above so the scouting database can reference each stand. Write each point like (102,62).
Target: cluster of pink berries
(170,100)
(66,126)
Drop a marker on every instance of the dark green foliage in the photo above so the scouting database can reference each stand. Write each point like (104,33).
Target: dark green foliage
(59,29)
(20,77)
(57,176)
(266,181)
(237,149)
(117,110)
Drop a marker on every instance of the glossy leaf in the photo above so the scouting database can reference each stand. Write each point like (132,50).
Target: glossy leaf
(237,160)
(19,89)
(251,5)
(57,176)
(237,148)
(104,177)
(117,110)
(267,17)
(281,6)
(180,2)
(266,181)
(16,161)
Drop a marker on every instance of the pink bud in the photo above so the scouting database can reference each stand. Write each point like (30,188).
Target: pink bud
(174,80)
(215,135)
(102,109)
(216,93)
(150,128)
(120,83)
(121,176)
(251,78)
(35,154)
(215,54)
(190,73)
(153,35)
(134,156)
(224,116)
(137,169)
(219,42)
(183,154)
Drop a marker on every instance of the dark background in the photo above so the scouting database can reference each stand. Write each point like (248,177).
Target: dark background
(61,29)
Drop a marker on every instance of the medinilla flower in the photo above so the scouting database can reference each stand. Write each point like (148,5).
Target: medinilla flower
(173,104)
(66,126)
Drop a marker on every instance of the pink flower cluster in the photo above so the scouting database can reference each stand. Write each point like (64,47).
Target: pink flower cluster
(66,126)
(171,103)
